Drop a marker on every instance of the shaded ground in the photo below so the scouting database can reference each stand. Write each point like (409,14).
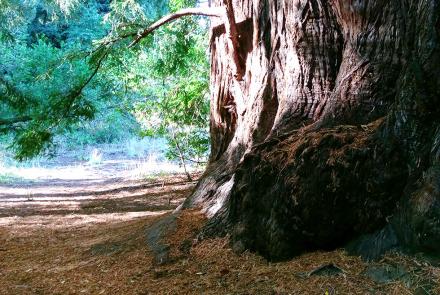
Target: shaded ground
(61,236)
(68,187)
(64,198)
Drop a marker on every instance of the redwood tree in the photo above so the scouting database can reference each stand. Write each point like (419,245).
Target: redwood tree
(325,126)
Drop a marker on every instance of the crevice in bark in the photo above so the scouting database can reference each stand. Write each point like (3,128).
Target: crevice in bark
(233,40)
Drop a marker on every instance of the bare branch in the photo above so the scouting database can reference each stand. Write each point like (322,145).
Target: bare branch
(211,12)
(181,156)
(188,159)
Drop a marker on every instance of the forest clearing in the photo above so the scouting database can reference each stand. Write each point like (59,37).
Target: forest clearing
(64,236)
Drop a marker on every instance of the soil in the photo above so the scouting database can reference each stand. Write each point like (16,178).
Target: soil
(91,236)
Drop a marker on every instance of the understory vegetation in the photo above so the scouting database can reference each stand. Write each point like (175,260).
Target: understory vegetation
(69,80)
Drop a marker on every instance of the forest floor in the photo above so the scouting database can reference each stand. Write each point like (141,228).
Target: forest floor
(92,235)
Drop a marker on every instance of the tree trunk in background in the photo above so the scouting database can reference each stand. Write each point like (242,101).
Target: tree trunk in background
(333,133)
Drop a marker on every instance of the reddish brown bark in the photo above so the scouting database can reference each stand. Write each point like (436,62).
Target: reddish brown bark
(332,131)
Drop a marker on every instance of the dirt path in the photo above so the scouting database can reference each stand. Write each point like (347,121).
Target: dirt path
(72,199)
(58,222)
(68,234)
(88,192)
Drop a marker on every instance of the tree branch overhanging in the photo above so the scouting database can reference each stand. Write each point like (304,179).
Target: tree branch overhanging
(10,123)
(211,12)
(98,65)
(227,15)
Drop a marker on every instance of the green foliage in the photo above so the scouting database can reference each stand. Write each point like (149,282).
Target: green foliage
(41,83)
(66,75)
(108,127)
(176,5)
(12,18)
(178,107)
(168,78)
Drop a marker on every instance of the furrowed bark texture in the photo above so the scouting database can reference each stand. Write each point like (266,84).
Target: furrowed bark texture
(332,134)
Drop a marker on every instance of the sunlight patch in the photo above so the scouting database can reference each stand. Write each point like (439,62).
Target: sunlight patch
(74,220)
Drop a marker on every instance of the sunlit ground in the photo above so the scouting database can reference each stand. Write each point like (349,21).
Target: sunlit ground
(79,227)
(96,171)
(133,159)
(73,220)
(105,187)
(54,222)
(54,211)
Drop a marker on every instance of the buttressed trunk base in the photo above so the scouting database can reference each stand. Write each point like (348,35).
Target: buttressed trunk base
(331,134)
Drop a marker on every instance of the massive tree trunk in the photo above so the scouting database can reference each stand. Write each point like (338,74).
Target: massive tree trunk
(325,126)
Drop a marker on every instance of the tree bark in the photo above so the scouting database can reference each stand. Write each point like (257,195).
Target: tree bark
(331,134)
